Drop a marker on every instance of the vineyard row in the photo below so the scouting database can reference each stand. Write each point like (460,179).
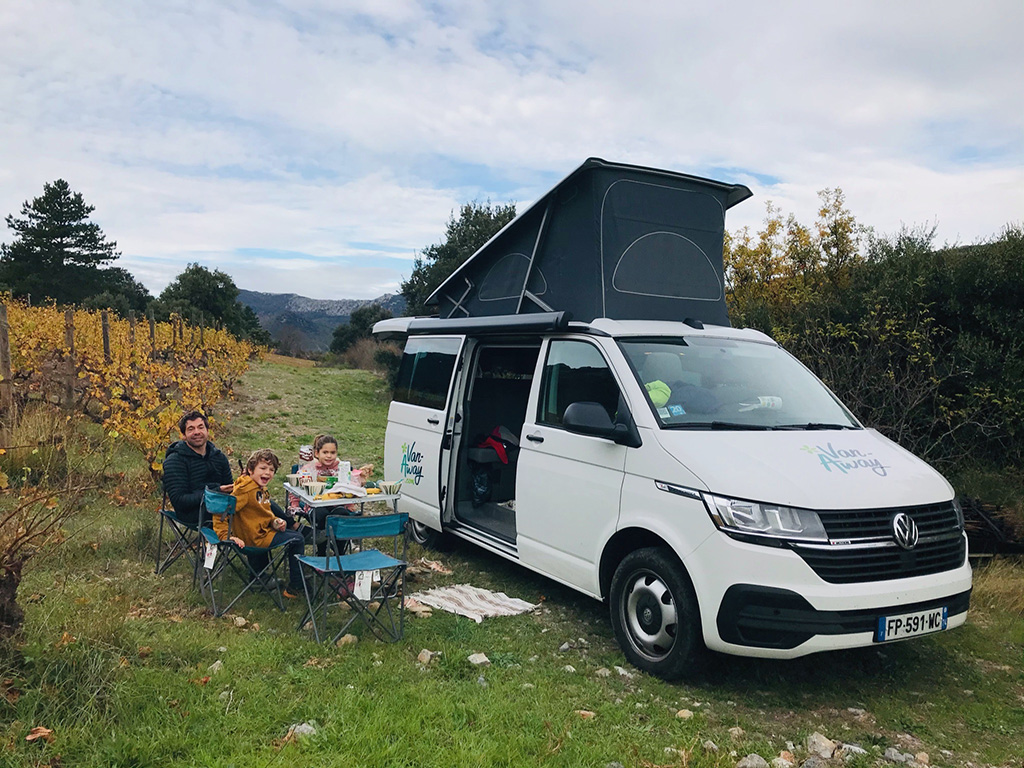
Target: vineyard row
(136,384)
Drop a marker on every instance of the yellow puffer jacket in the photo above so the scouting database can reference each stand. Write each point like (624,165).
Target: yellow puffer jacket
(253,522)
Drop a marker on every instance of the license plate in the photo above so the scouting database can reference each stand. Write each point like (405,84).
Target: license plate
(911,624)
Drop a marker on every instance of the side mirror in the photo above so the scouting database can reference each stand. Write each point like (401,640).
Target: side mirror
(588,418)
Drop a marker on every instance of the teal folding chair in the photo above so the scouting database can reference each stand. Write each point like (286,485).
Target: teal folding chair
(229,560)
(184,540)
(331,580)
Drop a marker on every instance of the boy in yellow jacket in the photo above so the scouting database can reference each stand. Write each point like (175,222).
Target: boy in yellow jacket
(255,525)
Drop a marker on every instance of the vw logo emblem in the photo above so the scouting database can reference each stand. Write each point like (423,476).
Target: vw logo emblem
(904,531)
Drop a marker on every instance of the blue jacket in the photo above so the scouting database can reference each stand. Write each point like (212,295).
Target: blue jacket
(186,474)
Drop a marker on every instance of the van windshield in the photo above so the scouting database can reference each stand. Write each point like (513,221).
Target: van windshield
(709,383)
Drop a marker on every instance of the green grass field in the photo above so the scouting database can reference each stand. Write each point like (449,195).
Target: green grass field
(117,661)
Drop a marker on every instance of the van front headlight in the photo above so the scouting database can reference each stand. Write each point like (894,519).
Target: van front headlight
(752,518)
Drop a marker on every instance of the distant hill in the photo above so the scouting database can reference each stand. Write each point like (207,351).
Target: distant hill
(299,324)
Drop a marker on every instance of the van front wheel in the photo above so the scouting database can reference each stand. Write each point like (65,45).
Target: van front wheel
(654,613)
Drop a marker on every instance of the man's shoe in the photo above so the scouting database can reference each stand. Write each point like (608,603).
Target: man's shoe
(269,583)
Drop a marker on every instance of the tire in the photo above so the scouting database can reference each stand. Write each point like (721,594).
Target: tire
(424,535)
(654,613)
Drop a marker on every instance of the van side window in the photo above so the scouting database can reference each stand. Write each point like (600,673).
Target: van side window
(426,372)
(575,371)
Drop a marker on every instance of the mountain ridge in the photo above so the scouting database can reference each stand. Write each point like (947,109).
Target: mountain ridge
(301,324)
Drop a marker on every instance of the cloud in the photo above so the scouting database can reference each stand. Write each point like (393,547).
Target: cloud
(339,136)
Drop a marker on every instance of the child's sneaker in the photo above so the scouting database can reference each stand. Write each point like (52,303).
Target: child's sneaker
(291,593)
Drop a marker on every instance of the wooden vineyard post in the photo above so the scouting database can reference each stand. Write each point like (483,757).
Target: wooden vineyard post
(105,324)
(6,381)
(69,342)
(152,335)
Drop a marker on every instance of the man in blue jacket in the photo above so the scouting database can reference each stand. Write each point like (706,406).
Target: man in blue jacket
(191,464)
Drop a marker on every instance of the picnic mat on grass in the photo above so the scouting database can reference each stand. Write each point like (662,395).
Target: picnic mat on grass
(474,602)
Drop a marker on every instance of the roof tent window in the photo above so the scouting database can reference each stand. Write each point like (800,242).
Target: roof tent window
(642,240)
(504,280)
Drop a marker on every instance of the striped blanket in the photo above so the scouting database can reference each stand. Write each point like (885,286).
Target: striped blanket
(474,602)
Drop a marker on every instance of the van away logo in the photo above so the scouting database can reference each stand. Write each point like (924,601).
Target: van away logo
(845,460)
(412,462)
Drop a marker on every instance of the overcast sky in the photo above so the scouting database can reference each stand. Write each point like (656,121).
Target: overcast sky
(315,146)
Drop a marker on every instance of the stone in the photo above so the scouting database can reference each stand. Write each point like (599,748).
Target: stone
(781,762)
(752,761)
(922,758)
(481,681)
(624,673)
(426,656)
(240,621)
(893,755)
(849,751)
(787,755)
(564,647)
(303,730)
(615,765)
(347,640)
(603,672)
(479,660)
(819,745)
(684,714)
(222,649)
(586,714)
(856,711)
(710,746)
(736,732)
(527,686)
(569,668)
(814,761)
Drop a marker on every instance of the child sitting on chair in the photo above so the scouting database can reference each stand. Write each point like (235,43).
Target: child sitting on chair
(255,525)
(325,463)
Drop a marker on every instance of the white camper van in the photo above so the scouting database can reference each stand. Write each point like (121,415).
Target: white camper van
(697,477)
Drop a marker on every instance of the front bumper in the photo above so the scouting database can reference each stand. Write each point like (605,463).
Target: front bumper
(754,616)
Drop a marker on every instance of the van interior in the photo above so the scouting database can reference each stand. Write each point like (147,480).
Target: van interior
(494,411)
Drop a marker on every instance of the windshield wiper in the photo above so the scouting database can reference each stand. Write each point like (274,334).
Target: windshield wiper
(717,425)
(815,425)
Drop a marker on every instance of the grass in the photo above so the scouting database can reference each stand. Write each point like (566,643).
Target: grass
(117,661)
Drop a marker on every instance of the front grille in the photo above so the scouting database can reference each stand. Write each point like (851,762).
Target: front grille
(853,524)
(941,546)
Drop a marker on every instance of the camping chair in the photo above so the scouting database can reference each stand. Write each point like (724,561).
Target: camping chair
(339,578)
(221,559)
(184,541)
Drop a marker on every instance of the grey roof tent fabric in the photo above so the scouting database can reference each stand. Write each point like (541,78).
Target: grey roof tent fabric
(610,240)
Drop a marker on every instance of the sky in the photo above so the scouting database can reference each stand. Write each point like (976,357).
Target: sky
(317,146)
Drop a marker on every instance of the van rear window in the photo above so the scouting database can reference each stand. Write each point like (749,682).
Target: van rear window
(425,374)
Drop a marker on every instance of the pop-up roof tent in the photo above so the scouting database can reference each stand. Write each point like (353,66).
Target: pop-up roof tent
(610,240)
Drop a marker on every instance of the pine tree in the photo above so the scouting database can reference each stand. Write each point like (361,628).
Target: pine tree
(57,252)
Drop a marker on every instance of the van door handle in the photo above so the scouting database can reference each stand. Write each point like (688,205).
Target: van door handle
(433,420)
(535,438)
